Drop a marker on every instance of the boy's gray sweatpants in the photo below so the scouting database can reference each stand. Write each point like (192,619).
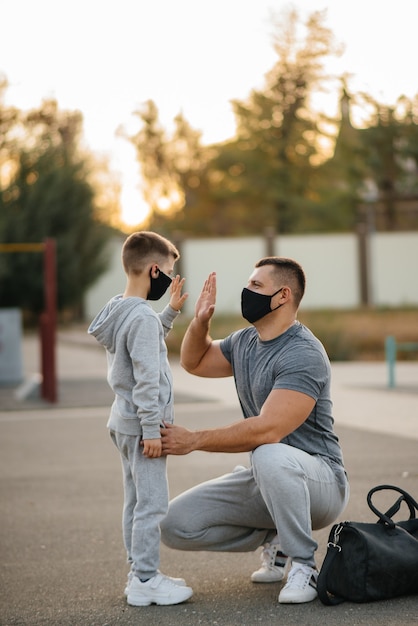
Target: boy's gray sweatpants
(145,504)
(286,490)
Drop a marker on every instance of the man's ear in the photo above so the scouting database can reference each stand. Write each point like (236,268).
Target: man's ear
(286,292)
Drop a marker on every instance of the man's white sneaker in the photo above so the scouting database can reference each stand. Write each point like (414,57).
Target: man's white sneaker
(300,586)
(273,565)
(179,581)
(159,589)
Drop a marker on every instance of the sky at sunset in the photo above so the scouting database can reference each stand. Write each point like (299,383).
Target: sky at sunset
(105,58)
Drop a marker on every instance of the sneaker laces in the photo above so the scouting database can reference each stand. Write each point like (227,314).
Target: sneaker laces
(301,575)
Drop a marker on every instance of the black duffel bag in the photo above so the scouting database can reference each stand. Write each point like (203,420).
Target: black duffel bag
(372,561)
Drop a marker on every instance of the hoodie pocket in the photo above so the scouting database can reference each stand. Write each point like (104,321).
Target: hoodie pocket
(169,414)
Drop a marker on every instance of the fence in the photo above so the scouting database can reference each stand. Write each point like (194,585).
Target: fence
(343,271)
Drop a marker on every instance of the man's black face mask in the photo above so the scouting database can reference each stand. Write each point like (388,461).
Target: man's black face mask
(158,285)
(255,305)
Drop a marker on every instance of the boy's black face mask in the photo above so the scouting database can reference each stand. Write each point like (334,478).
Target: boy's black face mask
(255,305)
(158,285)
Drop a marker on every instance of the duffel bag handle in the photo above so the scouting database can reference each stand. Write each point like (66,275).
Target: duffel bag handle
(386,518)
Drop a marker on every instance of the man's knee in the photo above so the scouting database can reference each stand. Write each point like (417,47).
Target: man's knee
(273,459)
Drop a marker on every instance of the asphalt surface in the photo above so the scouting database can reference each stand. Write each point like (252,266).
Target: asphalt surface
(62,561)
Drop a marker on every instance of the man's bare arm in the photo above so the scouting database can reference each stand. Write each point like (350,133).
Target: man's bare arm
(282,413)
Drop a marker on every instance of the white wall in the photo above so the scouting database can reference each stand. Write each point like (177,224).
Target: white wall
(331,264)
(395,269)
(331,267)
(233,261)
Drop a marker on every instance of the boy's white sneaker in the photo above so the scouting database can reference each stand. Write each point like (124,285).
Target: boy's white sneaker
(179,581)
(300,586)
(159,589)
(273,565)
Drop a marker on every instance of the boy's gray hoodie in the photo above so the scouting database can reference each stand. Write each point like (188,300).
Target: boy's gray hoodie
(139,374)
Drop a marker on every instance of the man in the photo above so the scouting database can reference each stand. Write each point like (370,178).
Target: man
(296,481)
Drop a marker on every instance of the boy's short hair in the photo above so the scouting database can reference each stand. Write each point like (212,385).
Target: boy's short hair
(146,247)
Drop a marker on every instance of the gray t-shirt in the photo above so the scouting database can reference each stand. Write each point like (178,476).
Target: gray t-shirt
(295,360)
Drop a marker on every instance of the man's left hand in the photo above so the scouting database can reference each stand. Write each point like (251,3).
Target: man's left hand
(176,439)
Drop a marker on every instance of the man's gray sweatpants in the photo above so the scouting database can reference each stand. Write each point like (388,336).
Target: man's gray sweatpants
(145,504)
(285,491)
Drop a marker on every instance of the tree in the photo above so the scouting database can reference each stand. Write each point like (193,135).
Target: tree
(373,174)
(173,170)
(340,179)
(263,176)
(278,133)
(275,172)
(47,194)
(391,139)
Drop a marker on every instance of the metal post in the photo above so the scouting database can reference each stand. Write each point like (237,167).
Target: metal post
(48,324)
(269,237)
(369,193)
(364,265)
(390,351)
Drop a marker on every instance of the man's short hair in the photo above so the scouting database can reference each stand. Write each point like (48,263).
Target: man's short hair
(287,271)
(145,247)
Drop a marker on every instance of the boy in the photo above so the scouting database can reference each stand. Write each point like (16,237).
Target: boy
(139,374)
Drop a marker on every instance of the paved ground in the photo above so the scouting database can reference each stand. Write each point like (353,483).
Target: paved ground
(62,561)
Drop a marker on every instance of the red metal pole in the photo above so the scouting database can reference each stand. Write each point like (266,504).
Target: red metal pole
(48,324)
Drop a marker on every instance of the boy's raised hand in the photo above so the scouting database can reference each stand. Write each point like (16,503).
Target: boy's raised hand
(177,299)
